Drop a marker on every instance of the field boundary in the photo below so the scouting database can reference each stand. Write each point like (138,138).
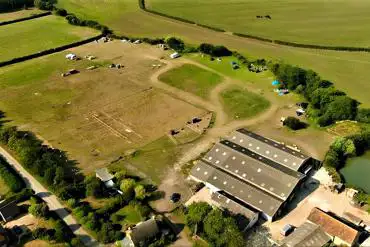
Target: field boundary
(267,40)
(49,51)
(25,18)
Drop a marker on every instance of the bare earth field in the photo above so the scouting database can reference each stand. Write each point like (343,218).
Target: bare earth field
(95,115)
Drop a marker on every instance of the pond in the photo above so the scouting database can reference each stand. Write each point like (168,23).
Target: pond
(357,171)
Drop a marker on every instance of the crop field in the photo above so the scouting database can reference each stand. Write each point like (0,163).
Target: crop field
(241,104)
(348,70)
(337,22)
(19,14)
(95,115)
(192,79)
(32,36)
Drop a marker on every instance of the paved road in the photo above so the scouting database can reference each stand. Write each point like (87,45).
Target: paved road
(50,199)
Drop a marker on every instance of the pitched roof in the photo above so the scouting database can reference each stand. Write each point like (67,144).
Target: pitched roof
(307,235)
(240,189)
(8,211)
(103,174)
(144,230)
(233,206)
(333,226)
(268,148)
(254,169)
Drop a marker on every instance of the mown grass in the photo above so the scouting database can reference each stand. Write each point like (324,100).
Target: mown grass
(32,36)
(335,22)
(348,70)
(242,104)
(155,158)
(192,79)
(131,215)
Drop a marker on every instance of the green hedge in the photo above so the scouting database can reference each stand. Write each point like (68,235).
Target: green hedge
(10,177)
(24,19)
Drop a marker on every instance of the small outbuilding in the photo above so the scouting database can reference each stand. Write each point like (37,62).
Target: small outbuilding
(8,211)
(175,55)
(104,176)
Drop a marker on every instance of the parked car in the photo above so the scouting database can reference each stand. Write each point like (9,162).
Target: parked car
(175,197)
(287,229)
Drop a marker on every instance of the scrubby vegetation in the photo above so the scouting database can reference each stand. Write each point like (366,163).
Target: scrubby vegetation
(11,5)
(294,123)
(343,148)
(10,177)
(219,228)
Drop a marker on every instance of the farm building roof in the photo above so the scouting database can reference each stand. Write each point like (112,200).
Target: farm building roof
(333,226)
(268,148)
(240,189)
(8,210)
(307,235)
(231,205)
(144,230)
(103,174)
(251,168)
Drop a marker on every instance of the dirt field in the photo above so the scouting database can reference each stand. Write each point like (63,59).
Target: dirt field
(19,14)
(96,115)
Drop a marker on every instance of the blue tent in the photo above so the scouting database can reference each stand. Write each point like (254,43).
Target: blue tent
(275,83)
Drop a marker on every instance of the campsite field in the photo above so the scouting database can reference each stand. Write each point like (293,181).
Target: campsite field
(19,14)
(335,22)
(241,104)
(192,79)
(348,70)
(99,115)
(32,36)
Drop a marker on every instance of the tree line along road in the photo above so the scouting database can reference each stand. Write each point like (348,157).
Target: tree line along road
(50,199)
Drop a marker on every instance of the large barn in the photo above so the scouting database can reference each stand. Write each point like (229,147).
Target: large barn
(258,172)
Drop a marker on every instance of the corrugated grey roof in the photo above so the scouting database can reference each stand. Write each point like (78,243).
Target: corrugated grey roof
(253,169)
(240,189)
(232,206)
(307,235)
(269,149)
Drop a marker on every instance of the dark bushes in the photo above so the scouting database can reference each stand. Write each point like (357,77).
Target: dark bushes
(7,6)
(10,177)
(61,12)
(216,51)
(176,44)
(44,4)
(294,123)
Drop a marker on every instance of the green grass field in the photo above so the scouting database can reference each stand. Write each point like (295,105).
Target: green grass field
(336,22)
(131,215)
(241,104)
(24,38)
(192,79)
(348,70)
(155,158)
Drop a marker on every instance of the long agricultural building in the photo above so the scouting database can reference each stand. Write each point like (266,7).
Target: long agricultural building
(258,173)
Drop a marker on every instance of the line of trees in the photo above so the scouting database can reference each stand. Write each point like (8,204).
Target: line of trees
(11,5)
(10,177)
(327,104)
(343,148)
